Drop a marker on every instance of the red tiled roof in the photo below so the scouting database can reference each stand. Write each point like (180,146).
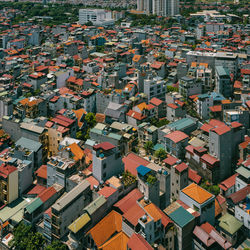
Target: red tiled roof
(137,242)
(6,170)
(193,176)
(136,115)
(92,181)
(132,161)
(134,214)
(176,136)
(203,236)
(171,160)
(245,71)
(62,121)
(236,124)
(248,103)
(240,195)
(214,122)
(209,159)
(221,129)
(228,183)
(42,172)
(245,143)
(217,108)
(129,200)
(209,229)
(107,191)
(172,105)
(28,85)
(206,127)
(237,84)
(181,167)
(221,199)
(49,124)
(156,101)
(49,212)
(38,189)
(54,99)
(190,149)
(104,146)
(180,103)
(46,194)
(150,106)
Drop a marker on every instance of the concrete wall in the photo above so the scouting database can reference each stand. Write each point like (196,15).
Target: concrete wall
(13,186)
(104,168)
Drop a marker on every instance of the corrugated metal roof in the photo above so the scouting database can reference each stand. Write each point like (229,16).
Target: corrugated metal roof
(244,172)
(222,71)
(34,205)
(230,224)
(66,199)
(181,124)
(29,144)
(79,223)
(142,170)
(94,205)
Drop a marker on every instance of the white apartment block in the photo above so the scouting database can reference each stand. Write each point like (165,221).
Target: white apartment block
(96,16)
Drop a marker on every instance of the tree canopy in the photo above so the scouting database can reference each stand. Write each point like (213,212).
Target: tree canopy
(148,146)
(161,154)
(25,237)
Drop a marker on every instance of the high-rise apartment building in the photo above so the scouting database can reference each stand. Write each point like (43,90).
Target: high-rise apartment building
(159,7)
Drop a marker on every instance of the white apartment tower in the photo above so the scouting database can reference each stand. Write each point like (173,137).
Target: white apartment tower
(159,7)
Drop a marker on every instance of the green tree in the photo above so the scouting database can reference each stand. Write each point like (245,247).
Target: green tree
(148,146)
(171,89)
(37,92)
(26,238)
(161,154)
(28,95)
(90,120)
(79,135)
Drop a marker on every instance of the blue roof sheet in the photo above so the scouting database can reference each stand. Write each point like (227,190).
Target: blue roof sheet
(181,216)
(142,170)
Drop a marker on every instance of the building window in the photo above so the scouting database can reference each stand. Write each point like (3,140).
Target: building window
(104,175)
(104,165)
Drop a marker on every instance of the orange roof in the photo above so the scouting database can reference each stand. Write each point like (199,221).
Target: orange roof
(6,223)
(197,193)
(193,64)
(79,113)
(136,58)
(153,212)
(42,172)
(30,102)
(204,64)
(102,231)
(217,208)
(142,106)
(76,151)
(119,241)
(100,117)
(225,101)
(208,43)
